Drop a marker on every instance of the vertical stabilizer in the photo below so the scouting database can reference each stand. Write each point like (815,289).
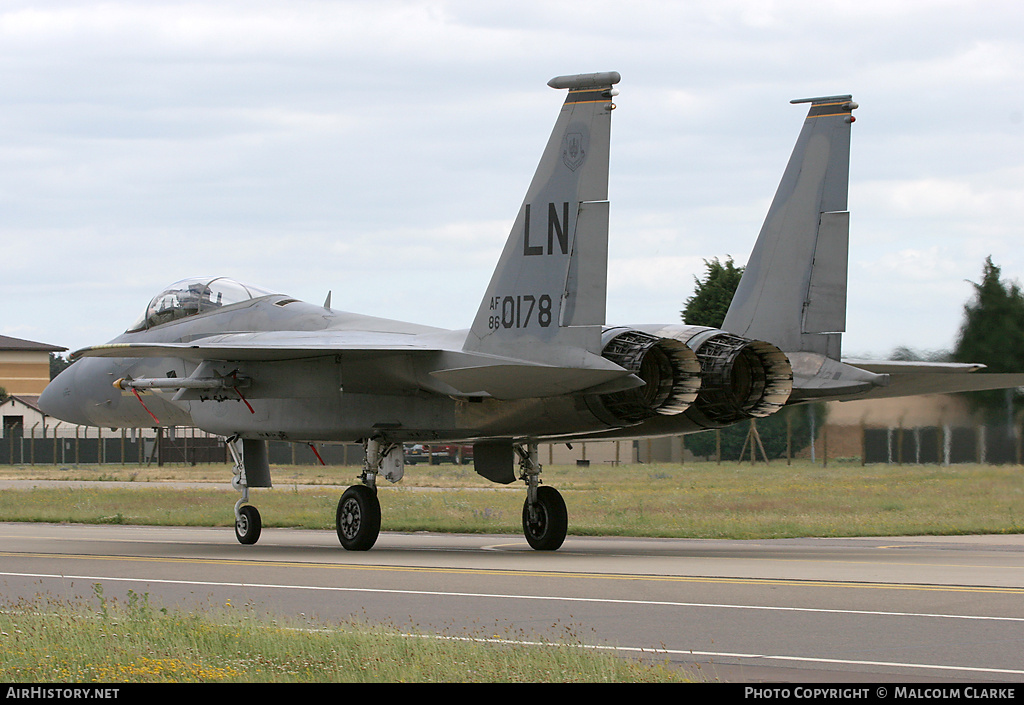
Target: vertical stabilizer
(547,294)
(793,290)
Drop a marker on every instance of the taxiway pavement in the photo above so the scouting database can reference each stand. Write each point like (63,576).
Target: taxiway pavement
(850,609)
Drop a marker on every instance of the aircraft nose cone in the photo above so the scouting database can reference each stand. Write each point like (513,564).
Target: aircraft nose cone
(60,401)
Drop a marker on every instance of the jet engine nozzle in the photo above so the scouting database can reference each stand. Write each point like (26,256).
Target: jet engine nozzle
(668,369)
(741,379)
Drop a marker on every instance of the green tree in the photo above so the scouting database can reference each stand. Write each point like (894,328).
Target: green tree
(712,295)
(908,354)
(58,363)
(992,333)
(794,422)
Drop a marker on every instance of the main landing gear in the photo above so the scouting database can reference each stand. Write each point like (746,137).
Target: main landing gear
(545,518)
(358,517)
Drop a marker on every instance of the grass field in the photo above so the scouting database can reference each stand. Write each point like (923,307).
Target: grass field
(703,500)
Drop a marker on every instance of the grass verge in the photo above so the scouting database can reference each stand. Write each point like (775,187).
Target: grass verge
(739,501)
(44,641)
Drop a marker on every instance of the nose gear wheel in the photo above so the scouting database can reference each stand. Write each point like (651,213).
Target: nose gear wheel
(248,524)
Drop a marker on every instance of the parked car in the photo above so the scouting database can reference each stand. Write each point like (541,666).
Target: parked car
(436,455)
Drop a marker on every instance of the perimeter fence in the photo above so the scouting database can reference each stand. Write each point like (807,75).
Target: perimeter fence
(86,445)
(83,445)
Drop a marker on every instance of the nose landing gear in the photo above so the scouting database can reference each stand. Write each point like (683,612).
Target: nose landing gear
(251,469)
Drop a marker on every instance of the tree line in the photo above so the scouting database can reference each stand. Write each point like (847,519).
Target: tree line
(991,333)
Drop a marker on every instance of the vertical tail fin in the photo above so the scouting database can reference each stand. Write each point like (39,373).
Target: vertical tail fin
(793,290)
(548,290)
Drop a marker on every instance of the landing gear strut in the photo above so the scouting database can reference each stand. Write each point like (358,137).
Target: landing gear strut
(545,518)
(358,517)
(248,523)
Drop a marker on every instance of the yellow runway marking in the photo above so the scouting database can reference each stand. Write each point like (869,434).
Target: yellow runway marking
(491,572)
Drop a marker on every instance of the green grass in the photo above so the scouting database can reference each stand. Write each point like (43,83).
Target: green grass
(702,500)
(45,641)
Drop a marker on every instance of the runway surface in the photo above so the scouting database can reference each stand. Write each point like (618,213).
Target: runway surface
(805,610)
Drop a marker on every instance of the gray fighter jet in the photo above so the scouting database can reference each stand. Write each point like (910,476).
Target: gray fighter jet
(539,362)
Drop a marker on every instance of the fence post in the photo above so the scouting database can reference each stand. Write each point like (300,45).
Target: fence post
(21,444)
(789,438)
(1017,437)
(814,434)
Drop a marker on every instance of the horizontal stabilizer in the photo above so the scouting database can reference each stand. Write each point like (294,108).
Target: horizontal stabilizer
(910,384)
(909,366)
(819,378)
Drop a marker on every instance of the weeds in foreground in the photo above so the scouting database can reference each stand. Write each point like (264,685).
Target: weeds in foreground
(134,642)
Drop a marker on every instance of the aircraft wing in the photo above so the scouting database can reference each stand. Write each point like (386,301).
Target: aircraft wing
(267,346)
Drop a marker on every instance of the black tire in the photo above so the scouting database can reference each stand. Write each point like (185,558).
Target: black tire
(358,518)
(248,525)
(551,523)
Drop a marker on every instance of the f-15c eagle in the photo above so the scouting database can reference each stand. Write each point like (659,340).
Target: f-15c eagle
(538,363)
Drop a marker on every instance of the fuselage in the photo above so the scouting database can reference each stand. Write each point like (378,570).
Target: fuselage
(346,396)
(305,395)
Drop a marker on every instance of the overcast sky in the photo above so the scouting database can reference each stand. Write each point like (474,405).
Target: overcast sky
(382,149)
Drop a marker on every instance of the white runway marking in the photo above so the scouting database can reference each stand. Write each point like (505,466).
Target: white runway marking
(518,597)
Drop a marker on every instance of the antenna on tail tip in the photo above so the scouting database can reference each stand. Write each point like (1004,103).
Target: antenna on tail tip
(823,99)
(586,80)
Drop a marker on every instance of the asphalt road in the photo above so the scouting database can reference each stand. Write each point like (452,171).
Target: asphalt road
(805,610)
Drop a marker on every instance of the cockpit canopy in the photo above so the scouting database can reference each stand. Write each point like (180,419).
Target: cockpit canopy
(189,297)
